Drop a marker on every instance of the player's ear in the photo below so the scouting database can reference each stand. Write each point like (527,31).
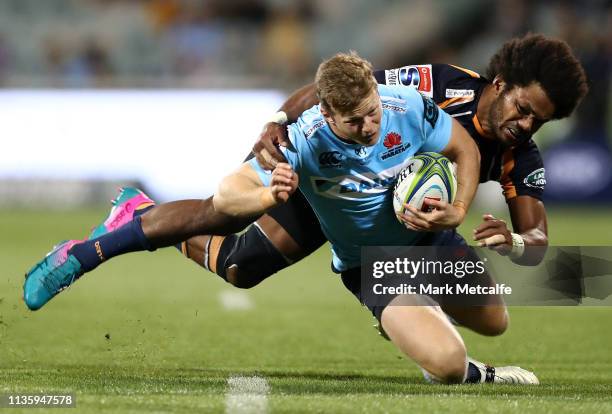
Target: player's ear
(327,115)
(499,83)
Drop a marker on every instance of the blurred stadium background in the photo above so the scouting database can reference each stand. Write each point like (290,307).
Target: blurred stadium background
(169,80)
(171,94)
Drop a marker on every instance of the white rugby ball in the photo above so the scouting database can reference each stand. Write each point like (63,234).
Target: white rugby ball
(428,175)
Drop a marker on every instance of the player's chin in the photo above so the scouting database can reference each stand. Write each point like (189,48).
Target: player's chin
(369,140)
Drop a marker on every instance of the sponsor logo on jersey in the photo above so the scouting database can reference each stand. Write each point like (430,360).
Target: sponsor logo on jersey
(393,142)
(357,186)
(459,93)
(350,187)
(331,159)
(361,152)
(430,111)
(393,107)
(418,76)
(392,139)
(536,179)
(314,128)
(394,151)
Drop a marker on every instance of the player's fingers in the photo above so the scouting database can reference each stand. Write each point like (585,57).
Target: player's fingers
(283,166)
(285,171)
(488,233)
(283,196)
(278,190)
(281,180)
(488,217)
(414,212)
(263,162)
(437,204)
(408,225)
(416,222)
(493,240)
(489,224)
(282,135)
(269,161)
(272,149)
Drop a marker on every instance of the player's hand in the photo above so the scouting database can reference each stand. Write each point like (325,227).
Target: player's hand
(494,234)
(441,216)
(284,182)
(266,148)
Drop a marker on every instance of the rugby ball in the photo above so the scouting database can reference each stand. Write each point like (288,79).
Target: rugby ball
(428,175)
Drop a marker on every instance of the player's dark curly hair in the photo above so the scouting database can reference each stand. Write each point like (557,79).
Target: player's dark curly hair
(550,62)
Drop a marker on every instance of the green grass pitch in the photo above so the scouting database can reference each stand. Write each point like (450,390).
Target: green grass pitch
(148,333)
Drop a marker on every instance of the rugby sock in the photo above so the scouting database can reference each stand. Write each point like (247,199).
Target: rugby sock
(126,239)
(141,211)
(473,374)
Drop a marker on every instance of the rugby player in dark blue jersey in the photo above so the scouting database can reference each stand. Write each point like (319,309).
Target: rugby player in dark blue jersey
(530,81)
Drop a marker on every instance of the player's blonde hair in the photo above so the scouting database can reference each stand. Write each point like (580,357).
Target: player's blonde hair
(343,81)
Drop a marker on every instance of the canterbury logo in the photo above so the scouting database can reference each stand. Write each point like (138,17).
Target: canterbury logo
(331,158)
(99,251)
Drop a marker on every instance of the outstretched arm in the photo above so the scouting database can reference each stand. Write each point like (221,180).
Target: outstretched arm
(243,194)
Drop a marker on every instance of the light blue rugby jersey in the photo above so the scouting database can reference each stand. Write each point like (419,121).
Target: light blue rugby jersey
(350,186)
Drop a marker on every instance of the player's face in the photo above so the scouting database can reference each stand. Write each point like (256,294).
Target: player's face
(516,114)
(362,124)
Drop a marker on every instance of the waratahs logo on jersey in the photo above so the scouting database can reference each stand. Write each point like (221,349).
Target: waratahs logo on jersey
(392,139)
(419,77)
(357,186)
(393,143)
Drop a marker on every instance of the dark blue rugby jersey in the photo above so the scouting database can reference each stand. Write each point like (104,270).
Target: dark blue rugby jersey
(519,170)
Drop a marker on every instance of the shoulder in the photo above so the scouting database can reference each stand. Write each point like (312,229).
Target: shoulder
(307,124)
(418,77)
(399,98)
(455,83)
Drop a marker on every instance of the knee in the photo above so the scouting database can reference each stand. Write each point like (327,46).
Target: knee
(240,279)
(447,364)
(495,321)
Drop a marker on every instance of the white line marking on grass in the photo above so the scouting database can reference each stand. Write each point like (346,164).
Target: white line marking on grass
(235,300)
(247,395)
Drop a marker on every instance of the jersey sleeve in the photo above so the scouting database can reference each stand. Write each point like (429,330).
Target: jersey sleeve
(418,77)
(443,83)
(523,172)
(437,126)
(433,124)
(290,153)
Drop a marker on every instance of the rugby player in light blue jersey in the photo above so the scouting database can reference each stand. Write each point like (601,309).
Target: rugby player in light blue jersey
(347,170)
(339,160)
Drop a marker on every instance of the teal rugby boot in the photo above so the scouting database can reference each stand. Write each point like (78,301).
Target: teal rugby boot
(58,270)
(128,201)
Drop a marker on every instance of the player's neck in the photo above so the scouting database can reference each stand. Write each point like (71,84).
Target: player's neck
(334,130)
(484,104)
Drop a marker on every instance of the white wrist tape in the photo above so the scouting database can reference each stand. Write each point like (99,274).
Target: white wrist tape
(279,118)
(518,246)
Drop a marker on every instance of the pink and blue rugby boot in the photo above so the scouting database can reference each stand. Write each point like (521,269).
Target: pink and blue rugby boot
(59,269)
(128,201)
